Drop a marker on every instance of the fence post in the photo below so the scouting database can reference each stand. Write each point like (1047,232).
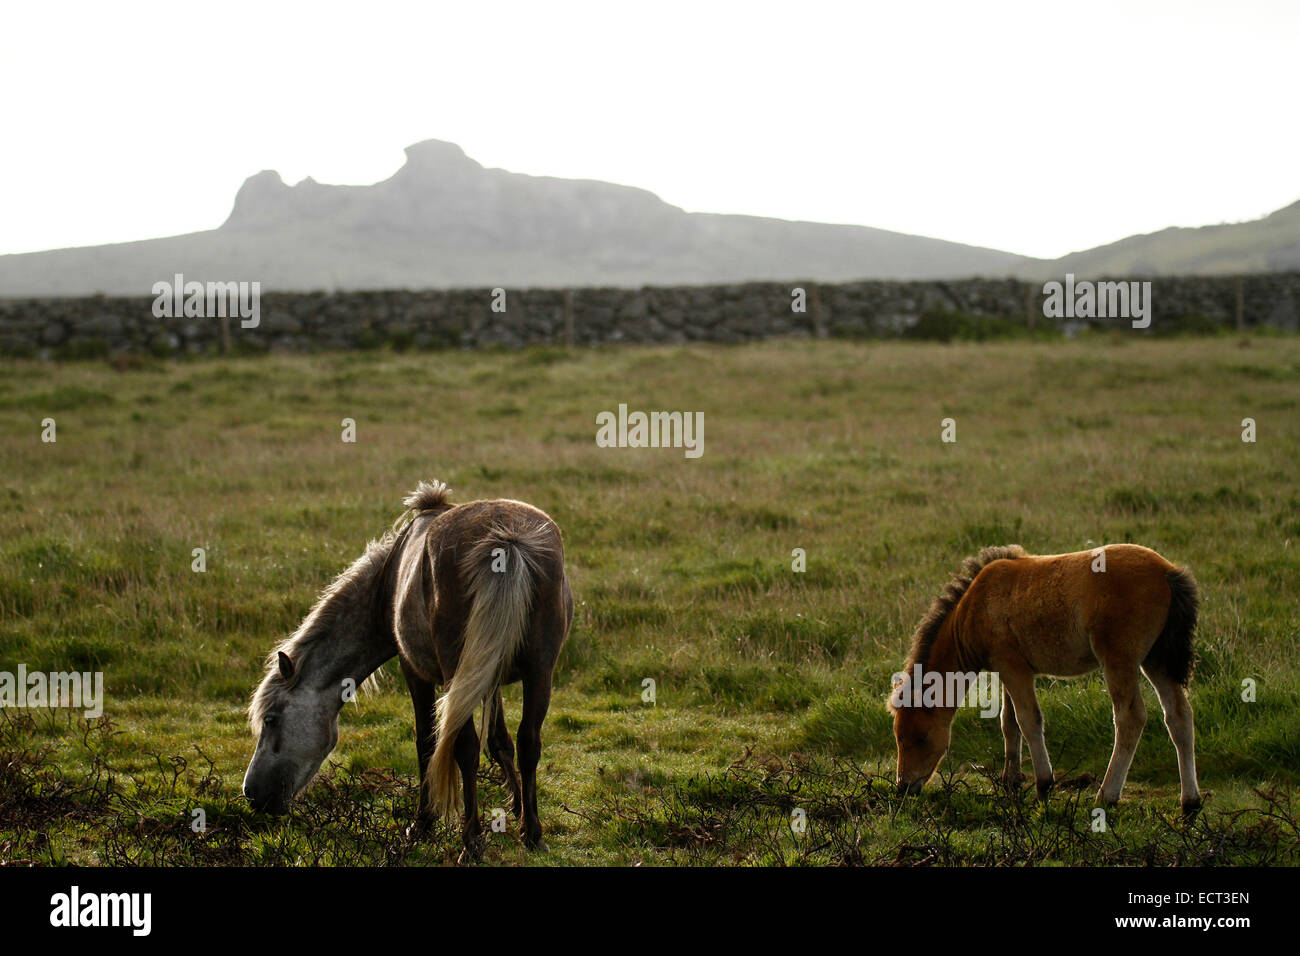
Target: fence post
(815,309)
(568,318)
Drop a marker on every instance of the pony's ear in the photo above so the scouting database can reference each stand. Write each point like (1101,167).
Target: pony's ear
(286,666)
(896,690)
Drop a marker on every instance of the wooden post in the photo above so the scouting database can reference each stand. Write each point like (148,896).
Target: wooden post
(815,310)
(1241,306)
(568,318)
(225,332)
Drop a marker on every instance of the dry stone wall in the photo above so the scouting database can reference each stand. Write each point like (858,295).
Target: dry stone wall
(466,318)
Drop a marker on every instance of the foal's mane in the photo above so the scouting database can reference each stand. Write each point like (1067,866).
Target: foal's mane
(360,583)
(924,636)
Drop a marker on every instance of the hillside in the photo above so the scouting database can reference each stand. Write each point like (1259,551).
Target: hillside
(444,220)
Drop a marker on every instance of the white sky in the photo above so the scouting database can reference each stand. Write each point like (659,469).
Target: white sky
(1033,127)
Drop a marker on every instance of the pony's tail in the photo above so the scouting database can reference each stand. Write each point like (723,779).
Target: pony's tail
(1172,652)
(499,572)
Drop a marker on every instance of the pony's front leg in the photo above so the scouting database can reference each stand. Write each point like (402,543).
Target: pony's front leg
(467,749)
(1011,743)
(1029,716)
(423,694)
(503,752)
(1130,718)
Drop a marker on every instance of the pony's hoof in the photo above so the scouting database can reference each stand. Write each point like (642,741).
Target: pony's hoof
(535,843)
(419,829)
(1011,782)
(1191,808)
(1045,788)
(472,853)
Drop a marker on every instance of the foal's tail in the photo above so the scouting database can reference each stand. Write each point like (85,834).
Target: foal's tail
(500,572)
(1173,652)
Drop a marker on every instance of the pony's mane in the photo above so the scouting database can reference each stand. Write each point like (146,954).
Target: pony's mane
(926,632)
(427,496)
(358,584)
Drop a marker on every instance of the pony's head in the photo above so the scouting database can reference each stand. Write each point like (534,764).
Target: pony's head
(297,728)
(343,639)
(922,728)
(922,734)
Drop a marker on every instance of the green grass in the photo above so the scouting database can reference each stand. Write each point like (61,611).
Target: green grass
(770,684)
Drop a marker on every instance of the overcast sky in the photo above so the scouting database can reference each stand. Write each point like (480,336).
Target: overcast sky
(1034,127)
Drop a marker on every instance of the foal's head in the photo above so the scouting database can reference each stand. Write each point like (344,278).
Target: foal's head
(923,727)
(922,734)
(299,728)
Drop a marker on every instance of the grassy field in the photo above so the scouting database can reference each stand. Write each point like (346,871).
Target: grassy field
(770,684)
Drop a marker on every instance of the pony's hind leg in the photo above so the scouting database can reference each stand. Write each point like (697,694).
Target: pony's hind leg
(1182,731)
(537,698)
(1012,743)
(503,752)
(1130,718)
(467,750)
(1019,683)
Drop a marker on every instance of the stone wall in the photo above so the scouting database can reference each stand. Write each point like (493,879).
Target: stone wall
(726,313)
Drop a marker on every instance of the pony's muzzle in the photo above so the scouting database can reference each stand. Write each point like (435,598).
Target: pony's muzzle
(274,804)
(906,789)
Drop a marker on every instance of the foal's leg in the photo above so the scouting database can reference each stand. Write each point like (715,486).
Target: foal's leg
(1178,719)
(537,698)
(1130,718)
(1020,685)
(467,748)
(503,752)
(1012,743)
(423,695)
